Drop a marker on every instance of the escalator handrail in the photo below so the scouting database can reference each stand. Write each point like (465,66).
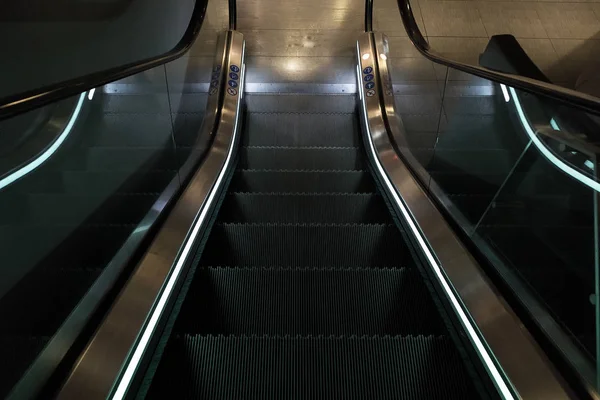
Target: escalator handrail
(29,100)
(571,97)
(369,16)
(232,15)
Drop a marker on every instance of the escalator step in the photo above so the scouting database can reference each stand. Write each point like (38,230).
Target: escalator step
(302,245)
(302,181)
(304,207)
(301,129)
(300,103)
(18,352)
(302,158)
(412,367)
(308,301)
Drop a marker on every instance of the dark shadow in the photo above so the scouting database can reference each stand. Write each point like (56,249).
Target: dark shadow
(579,69)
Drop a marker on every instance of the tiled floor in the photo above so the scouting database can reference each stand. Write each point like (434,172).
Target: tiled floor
(562,37)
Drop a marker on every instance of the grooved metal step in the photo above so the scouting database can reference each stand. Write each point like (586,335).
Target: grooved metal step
(300,130)
(304,207)
(342,301)
(305,287)
(302,181)
(300,103)
(301,158)
(318,245)
(413,367)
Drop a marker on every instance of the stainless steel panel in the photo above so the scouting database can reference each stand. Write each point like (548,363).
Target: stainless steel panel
(513,359)
(111,357)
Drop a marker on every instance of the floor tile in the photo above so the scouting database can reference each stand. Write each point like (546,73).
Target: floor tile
(518,19)
(569,20)
(452,18)
(466,50)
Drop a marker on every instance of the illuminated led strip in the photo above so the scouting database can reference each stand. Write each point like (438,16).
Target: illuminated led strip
(505,93)
(162,302)
(18,174)
(547,153)
(487,359)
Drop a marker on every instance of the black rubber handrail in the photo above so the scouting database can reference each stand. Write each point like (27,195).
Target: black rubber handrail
(369,16)
(571,97)
(26,101)
(232,15)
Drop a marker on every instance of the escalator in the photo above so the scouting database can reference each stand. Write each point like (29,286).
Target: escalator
(305,286)
(301,252)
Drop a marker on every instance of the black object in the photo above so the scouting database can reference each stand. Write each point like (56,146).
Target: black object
(368,15)
(504,53)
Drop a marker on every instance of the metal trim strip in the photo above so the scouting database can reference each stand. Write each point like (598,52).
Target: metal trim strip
(120,341)
(515,362)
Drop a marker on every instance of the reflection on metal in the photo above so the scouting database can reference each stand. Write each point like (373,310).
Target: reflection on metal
(549,155)
(212,114)
(512,358)
(91,94)
(111,358)
(46,154)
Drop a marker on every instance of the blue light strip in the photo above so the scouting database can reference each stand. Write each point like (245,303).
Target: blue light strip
(547,153)
(21,172)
